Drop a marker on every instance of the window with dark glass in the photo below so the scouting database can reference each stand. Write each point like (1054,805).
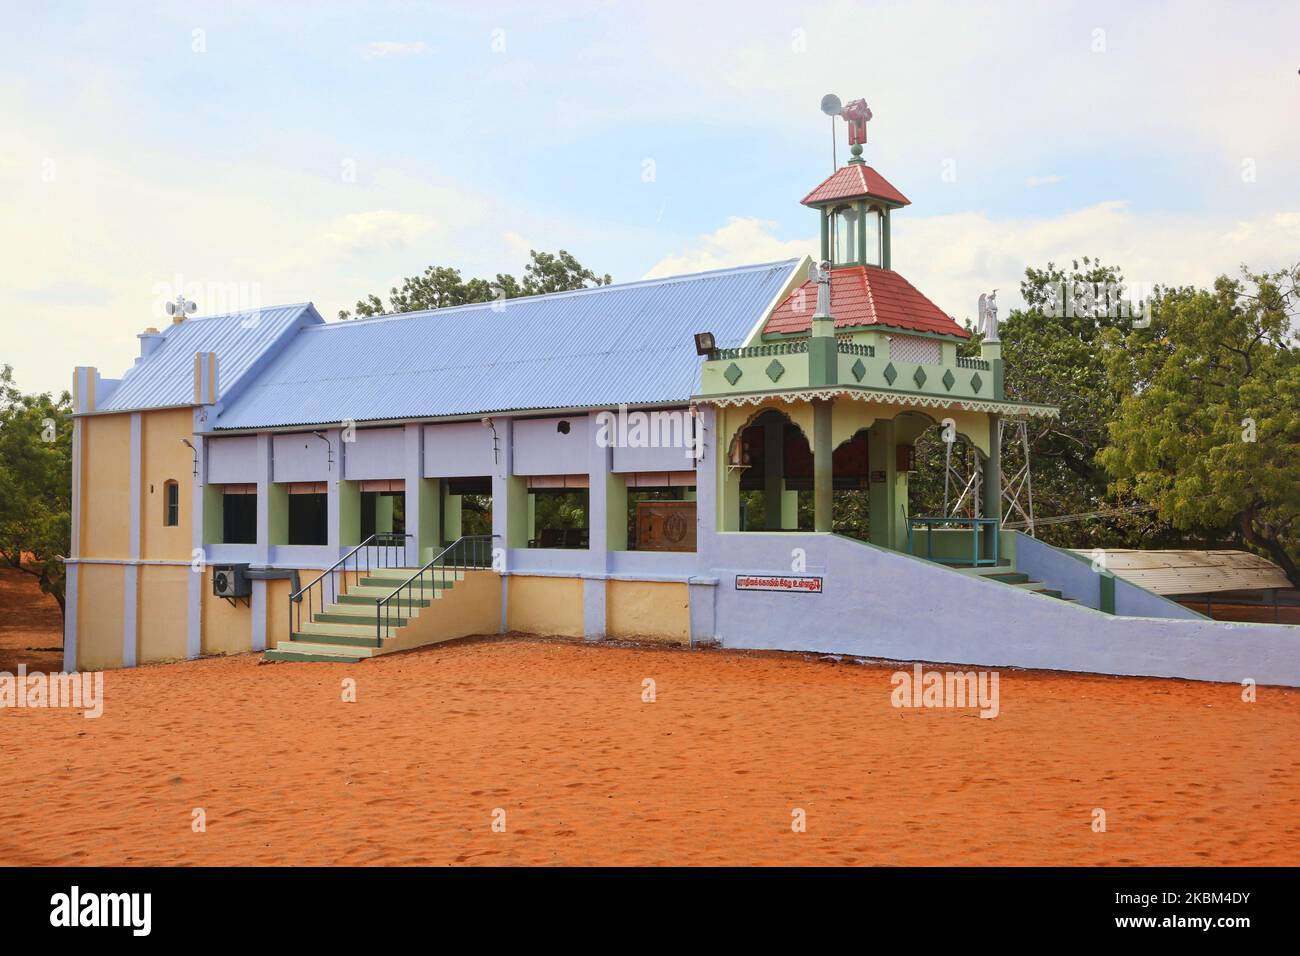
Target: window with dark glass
(171,504)
(239,518)
(308,518)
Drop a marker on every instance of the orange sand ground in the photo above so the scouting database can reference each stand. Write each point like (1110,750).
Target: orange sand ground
(31,629)
(556,734)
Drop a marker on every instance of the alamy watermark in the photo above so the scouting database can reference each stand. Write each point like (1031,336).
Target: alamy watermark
(1095,300)
(957,689)
(78,690)
(669,428)
(213,298)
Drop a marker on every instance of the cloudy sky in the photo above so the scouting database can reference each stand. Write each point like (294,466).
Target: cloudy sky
(262,153)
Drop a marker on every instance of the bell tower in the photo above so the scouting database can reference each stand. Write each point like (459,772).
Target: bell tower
(855,202)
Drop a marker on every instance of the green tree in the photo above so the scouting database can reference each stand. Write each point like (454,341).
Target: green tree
(1207,424)
(439,287)
(1053,349)
(35,483)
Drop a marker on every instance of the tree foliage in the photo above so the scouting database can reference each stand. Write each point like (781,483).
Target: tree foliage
(439,287)
(35,483)
(1207,418)
(1052,350)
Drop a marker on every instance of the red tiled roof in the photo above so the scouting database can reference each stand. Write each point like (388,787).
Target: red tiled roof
(864,295)
(853,181)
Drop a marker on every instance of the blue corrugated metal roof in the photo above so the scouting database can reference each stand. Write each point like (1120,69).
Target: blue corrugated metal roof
(166,376)
(630,343)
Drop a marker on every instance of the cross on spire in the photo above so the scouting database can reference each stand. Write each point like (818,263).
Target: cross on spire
(856,114)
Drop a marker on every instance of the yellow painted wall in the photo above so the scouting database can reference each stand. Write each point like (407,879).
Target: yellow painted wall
(161,622)
(163,457)
(229,629)
(277,607)
(99,616)
(105,486)
(544,605)
(473,606)
(648,611)
(226,629)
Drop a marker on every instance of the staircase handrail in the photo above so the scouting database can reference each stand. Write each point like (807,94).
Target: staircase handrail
(296,597)
(383,605)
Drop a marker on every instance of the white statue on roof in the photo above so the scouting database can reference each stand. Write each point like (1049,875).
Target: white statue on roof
(821,274)
(987,322)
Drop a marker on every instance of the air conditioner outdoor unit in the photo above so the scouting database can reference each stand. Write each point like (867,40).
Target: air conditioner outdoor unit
(230,581)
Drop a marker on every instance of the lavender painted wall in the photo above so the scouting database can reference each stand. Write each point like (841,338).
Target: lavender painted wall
(879,603)
(374,454)
(1074,577)
(667,426)
(458,450)
(653,565)
(300,456)
(1056,569)
(1139,602)
(540,448)
(232,460)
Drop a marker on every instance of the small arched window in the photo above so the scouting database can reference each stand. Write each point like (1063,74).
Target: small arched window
(171,504)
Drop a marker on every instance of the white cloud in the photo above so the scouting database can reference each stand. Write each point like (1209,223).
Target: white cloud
(742,241)
(1033,182)
(378,230)
(384,49)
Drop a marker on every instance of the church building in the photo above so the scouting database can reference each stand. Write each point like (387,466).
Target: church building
(655,461)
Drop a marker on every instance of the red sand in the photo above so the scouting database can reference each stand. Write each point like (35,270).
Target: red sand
(556,734)
(31,628)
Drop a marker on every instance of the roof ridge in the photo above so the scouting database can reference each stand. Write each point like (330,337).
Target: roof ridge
(241,313)
(636,283)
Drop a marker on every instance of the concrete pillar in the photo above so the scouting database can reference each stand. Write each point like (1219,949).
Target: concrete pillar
(265,489)
(201,493)
(773,471)
(789,510)
(509,493)
(74,551)
(885,262)
(993,481)
(823,452)
(451,514)
(709,469)
(882,463)
(603,516)
(422,512)
(272,528)
(131,571)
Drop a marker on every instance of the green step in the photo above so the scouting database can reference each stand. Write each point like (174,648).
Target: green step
(395,602)
(356,640)
(1007,577)
(390,619)
(1050,592)
(393,583)
(280,654)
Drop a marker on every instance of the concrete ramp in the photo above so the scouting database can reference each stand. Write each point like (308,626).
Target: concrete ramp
(877,603)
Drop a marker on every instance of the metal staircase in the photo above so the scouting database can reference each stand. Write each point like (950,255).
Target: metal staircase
(372,607)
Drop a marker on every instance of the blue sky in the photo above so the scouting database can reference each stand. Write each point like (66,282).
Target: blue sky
(294,151)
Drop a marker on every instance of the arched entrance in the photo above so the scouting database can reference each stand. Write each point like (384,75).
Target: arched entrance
(769,468)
